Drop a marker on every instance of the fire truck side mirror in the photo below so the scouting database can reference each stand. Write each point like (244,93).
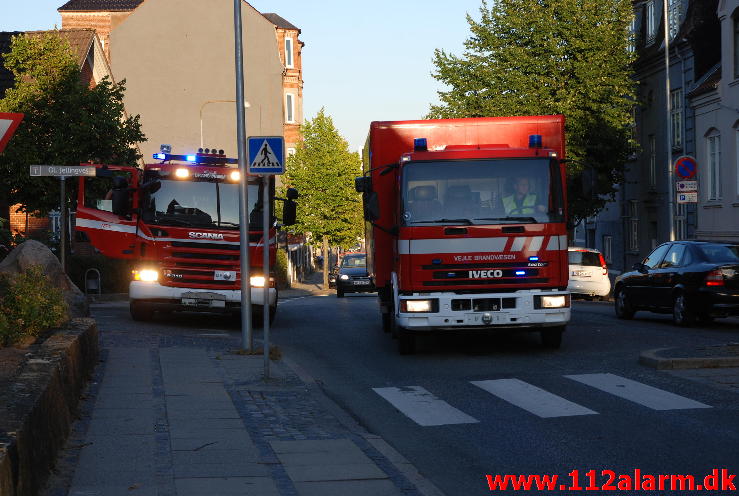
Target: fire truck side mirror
(363,184)
(151,186)
(371,206)
(292,194)
(120,202)
(289,213)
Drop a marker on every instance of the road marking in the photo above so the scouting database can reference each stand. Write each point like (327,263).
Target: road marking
(651,397)
(532,399)
(423,407)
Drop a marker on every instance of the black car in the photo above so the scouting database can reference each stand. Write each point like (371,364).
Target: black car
(693,280)
(352,276)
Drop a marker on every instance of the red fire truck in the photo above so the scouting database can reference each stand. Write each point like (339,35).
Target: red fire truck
(178,219)
(467,225)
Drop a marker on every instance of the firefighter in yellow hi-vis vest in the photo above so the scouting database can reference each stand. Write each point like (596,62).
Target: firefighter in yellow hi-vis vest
(521,202)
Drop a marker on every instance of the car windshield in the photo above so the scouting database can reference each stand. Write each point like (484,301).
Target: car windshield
(587,258)
(720,253)
(482,192)
(354,262)
(204,204)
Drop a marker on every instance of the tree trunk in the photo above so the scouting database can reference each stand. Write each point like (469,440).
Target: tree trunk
(326,262)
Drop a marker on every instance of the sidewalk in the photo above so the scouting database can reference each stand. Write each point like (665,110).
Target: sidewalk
(174,415)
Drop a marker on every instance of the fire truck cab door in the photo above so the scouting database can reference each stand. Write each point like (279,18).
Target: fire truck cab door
(106,211)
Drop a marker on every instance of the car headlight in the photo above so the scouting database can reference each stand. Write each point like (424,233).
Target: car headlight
(147,275)
(554,301)
(256,281)
(419,306)
(344,277)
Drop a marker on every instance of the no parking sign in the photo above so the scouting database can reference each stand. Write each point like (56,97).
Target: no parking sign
(686,167)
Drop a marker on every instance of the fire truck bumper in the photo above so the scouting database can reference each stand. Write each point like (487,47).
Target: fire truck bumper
(194,299)
(450,311)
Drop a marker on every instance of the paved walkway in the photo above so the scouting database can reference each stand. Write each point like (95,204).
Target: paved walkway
(191,416)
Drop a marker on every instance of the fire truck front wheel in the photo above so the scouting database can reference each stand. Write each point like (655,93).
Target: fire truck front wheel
(406,342)
(141,311)
(551,337)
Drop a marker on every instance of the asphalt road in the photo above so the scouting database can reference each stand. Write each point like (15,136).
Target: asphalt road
(550,414)
(340,343)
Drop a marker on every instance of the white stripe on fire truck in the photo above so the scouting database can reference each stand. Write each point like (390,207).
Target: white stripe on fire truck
(109,226)
(453,245)
(518,244)
(557,243)
(536,242)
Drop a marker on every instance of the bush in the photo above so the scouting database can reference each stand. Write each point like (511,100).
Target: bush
(29,304)
(281,279)
(115,274)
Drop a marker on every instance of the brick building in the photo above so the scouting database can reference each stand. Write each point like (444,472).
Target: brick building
(291,50)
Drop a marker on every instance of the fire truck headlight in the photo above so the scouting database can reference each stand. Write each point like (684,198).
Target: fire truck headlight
(235,176)
(182,173)
(256,281)
(419,306)
(558,301)
(147,275)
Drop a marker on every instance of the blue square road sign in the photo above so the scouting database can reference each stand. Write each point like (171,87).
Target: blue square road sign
(266,154)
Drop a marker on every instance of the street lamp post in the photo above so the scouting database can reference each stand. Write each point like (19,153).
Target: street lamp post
(202,106)
(668,109)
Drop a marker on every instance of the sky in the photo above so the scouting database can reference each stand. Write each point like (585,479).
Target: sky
(362,61)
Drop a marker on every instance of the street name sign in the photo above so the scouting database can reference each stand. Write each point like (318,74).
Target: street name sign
(686,167)
(686,186)
(690,197)
(266,154)
(8,124)
(62,170)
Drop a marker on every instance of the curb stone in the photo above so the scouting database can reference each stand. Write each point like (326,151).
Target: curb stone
(651,358)
(37,406)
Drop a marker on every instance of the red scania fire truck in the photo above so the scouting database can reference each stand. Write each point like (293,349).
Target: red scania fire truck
(467,225)
(178,219)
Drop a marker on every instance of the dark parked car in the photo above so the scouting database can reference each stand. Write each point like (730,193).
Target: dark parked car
(691,279)
(352,276)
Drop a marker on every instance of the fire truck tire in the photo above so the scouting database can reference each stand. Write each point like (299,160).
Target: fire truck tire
(552,337)
(141,311)
(257,316)
(406,342)
(387,324)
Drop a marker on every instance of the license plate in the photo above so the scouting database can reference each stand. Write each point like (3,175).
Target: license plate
(581,273)
(224,275)
(361,283)
(200,303)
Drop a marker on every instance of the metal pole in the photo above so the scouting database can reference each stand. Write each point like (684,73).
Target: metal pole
(247,335)
(670,171)
(63,223)
(265,266)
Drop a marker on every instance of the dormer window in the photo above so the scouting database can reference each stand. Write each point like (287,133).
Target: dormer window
(289,53)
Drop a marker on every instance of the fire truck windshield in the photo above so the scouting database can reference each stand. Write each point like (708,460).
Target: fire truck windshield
(204,204)
(472,192)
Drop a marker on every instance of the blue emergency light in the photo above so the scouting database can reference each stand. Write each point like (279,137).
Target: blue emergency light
(520,272)
(420,145)
(535,141)
(191,158)
(160,156)
(533,259)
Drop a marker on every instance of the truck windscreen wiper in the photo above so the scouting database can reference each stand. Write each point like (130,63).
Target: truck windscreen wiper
(528,220)
(458,221)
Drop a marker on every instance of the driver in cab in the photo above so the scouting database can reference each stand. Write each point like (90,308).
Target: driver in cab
(522,202)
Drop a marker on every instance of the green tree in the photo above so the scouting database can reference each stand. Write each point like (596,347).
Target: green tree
(538,57)
(323,170)
(65,123)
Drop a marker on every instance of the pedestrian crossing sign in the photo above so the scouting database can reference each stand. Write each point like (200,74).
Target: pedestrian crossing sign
(266,154)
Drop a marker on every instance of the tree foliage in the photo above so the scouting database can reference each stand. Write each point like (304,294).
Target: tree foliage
(65,123)
(539,57)
(323,170)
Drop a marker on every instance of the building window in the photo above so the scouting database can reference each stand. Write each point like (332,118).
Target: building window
(631,46)
(674,12)
(713,169)
(634,225)
(652,162)
(608,248)
(289,108)
(651,23)
(289,53)
(676,117)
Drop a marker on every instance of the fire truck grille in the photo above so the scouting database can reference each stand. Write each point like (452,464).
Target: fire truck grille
(205,256)
(201,265)
(490,282)
(205,246)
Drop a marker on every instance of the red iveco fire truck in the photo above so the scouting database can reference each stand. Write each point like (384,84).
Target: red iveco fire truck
(467,225)
(178,219)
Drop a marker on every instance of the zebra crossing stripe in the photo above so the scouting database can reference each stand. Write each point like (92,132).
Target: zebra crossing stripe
(532,399)
(651,397)
(423,407)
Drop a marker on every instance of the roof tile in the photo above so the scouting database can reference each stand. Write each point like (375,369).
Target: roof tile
(99,5)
